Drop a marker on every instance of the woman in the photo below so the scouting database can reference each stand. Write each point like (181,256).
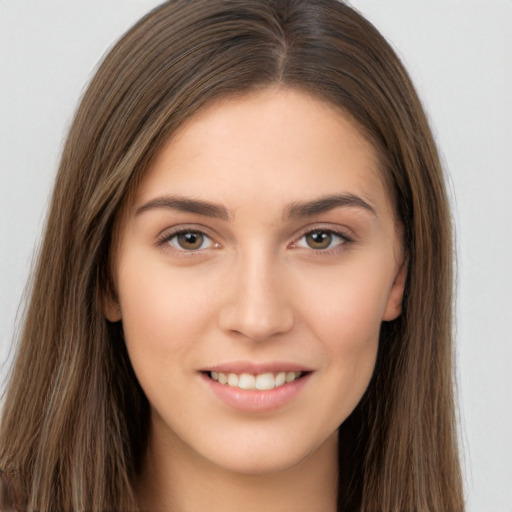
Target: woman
(243,298)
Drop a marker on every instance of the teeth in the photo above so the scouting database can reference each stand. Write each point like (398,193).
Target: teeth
(265,381)
(262,381)
(290,377)
(280,379)
(246,381)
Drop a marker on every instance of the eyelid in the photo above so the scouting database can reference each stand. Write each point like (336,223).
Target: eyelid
(163,239)
(337,232)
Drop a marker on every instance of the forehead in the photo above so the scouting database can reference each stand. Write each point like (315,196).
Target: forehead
(277,143)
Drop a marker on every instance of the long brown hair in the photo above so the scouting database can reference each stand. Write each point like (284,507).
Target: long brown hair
(75,420)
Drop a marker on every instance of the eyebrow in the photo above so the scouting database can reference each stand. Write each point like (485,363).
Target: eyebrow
(299,210)
(185,204)
(295,211)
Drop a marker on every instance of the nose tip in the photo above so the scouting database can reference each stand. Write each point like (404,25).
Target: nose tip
(254,323)
(258,309)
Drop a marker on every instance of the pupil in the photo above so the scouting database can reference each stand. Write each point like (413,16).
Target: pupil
(319,240)
(190,240)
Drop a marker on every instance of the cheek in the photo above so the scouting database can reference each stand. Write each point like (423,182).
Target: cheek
(163,312)
(351,344)
(345,315)
(347,306)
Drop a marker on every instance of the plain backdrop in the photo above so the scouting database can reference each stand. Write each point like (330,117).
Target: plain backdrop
(459,53)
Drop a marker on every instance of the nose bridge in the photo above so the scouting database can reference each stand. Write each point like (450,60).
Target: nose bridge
(258,305)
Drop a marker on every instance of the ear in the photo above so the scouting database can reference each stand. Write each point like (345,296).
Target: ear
(396,294)
(112,311)
(111,307)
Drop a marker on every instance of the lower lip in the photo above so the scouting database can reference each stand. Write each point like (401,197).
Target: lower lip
(255,400)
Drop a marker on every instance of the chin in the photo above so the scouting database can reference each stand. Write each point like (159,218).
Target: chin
(268,457)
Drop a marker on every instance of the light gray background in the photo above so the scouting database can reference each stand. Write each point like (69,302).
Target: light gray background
(459,53)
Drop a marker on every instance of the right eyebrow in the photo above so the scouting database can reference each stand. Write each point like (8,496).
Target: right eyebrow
(186,204)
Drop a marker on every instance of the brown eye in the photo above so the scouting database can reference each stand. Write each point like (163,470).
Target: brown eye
(319,239)
(190,241)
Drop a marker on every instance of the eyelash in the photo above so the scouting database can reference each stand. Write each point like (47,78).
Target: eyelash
(343,239)
(166,238)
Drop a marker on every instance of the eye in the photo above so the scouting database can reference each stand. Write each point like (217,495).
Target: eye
(189,240)
(321,239)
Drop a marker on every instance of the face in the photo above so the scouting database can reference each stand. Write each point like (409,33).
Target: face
(260,249)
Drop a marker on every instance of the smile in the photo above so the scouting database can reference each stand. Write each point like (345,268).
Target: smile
(261,382)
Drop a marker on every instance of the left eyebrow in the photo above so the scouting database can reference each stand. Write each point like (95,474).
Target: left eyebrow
(299,210)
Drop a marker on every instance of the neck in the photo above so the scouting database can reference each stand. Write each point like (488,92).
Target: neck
(183,481)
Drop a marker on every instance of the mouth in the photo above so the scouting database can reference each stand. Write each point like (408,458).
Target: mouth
(256,388)
(255,382)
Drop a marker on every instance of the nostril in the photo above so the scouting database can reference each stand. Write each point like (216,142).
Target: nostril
(257,322)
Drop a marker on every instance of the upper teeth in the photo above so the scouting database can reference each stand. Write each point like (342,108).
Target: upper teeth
(262,381)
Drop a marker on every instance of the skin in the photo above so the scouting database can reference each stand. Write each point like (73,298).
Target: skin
(255,286)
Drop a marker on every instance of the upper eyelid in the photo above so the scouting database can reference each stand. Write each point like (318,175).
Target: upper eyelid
(333,231)
(170,231)
(343,232)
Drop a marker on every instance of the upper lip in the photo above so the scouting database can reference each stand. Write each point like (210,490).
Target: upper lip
(253,368)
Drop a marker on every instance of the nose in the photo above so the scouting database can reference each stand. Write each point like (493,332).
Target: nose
(257,304)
